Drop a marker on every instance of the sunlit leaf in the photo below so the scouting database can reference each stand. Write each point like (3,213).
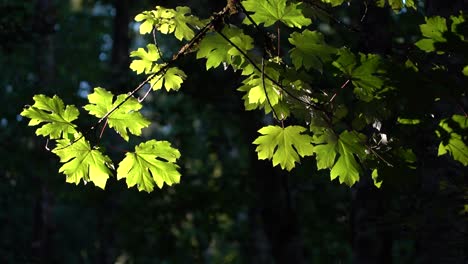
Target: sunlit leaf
(283,145)
(268,12)
(153,162)
(81,161)
(51,111)
(125,119)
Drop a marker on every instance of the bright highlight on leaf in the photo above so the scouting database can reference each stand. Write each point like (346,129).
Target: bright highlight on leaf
(124,118)
(83,162)
(152,162)
(147,58)
(283,145)
(452,142)
(310,50)
(433,31)
(269,12)
(51,111)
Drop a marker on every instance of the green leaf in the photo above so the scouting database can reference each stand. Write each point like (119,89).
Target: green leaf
(397,5)
(145,63)
(171,79)
(51,111)
(269,12)
(375,178)
(255,96)
(217,50)
(149,21)
(465,70)
(454,143)
(364,76)
(346,167)
(126,117)
(433,31)
(178,21)
(405,121)
(152,162)
(83,162)
(334,2)
(328,146)
(284,145)
(310,50)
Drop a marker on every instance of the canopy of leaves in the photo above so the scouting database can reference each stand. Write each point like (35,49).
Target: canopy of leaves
(152,162)
(268,12)
(310,50)
(83,162)
(124,118)
(217,50)
(453,133)
(51,111)
(283,145)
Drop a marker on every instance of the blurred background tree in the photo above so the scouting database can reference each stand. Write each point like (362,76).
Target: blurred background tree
(229,207)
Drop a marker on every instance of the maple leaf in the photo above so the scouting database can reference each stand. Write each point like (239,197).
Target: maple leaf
(346,167)
(171,79)
(345,146)
(152,162)
(269,12)
(149,21)
(310,50)
(454,143)
(125,117)
(145,63)
(83,162)
(217,50)
(284,145)
(397,5)
(254,87)
(51,111)
(178,21)
(363,72)
(334,2)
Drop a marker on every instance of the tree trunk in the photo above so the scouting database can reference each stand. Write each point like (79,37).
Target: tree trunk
(45,70)
(371,240)
(274,209)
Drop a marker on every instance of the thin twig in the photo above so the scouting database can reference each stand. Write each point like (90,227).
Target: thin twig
(266,93)
(156,44)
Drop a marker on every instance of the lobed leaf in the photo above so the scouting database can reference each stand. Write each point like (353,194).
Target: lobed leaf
(51,111)
(453,143)
(310,50)
(147,58)
(268,12)
(152,162)
(83,162)
(283,145)
(125,118)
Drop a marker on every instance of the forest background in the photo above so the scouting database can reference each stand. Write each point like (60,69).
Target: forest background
(229,207)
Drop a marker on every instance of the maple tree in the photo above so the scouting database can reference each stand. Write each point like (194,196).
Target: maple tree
(343,125)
